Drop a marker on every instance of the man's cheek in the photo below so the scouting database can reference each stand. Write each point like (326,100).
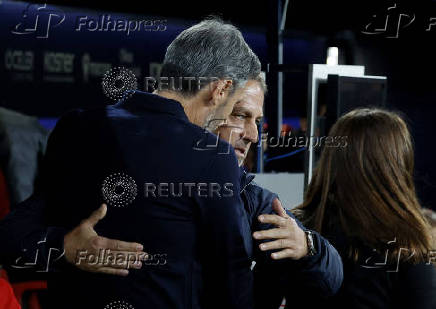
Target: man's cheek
(222,134)
(225,109)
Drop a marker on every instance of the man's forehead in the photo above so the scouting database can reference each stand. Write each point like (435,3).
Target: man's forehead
(246,105)
(252,87)
(250,103)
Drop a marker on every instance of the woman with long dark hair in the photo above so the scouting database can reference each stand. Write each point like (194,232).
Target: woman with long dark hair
(362,198)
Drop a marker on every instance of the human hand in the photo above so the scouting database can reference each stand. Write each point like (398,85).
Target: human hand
(288,236)
(84,242)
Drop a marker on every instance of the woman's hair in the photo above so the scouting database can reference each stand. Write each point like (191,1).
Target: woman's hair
(367,187)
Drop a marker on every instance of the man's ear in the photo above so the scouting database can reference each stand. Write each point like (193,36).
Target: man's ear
(220,91)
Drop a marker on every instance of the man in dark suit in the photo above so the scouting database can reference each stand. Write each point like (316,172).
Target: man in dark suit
(149,158)
(282,253)
(320,271)
(287,254)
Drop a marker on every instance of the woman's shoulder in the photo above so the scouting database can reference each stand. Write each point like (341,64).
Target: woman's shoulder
(382,285)
(422,275)
(416,286)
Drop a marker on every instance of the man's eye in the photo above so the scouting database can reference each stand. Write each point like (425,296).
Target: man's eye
(239,116)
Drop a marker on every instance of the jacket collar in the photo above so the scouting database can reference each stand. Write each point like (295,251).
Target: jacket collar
(143,101)
(246,179)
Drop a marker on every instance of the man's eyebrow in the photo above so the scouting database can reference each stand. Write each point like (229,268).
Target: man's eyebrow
(242,109)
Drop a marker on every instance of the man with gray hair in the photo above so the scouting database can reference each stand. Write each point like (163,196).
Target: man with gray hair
(321,272)
(169,193)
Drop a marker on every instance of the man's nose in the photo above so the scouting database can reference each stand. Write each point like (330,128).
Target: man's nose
(251,132)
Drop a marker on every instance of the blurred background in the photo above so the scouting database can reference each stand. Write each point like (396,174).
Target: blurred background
(56,53)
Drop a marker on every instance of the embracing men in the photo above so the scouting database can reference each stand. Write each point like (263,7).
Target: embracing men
(173,190)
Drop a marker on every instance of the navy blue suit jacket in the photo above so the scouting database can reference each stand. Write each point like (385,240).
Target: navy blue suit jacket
(320,275)
(185,209)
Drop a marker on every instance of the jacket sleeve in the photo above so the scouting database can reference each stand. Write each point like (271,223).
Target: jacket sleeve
(27,241)
(321,273)
(225,238)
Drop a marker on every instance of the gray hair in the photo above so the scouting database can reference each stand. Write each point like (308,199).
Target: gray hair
(210,49)
(261,80)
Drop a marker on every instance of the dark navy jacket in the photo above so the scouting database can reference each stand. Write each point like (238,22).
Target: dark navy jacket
(320,275)
(196,226)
